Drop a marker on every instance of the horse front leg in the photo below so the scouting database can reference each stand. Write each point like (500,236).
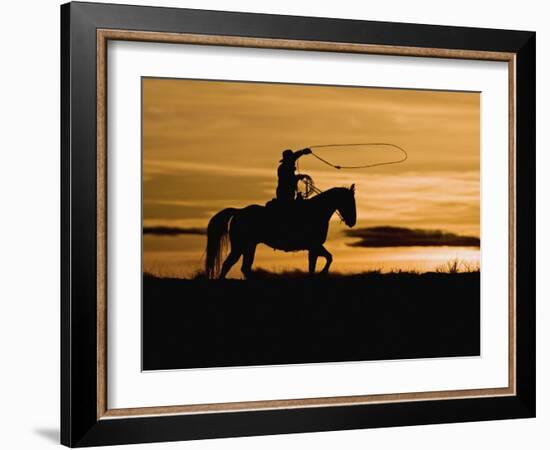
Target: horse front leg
(325,253)
(312,257)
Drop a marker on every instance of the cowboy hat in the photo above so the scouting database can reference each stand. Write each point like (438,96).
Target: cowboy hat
(287,155)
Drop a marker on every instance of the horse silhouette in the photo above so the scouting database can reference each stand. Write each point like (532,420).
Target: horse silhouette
(296,226)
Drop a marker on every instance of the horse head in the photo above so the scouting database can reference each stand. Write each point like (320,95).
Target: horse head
(347,208)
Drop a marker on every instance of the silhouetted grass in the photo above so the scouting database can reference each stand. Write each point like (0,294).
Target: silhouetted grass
(456,265)
(262,274)
(451,267)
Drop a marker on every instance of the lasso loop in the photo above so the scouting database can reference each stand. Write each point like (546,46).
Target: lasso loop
(385,163)
(310,187)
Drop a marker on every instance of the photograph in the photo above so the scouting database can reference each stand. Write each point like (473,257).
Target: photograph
(299,223)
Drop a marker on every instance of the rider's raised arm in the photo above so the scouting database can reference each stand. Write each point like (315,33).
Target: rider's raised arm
(304,151)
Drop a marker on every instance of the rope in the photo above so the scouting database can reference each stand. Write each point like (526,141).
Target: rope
(308,182)
(404,158)
(310,187)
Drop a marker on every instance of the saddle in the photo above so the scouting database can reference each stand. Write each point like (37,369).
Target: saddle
(284,218)
(293,207)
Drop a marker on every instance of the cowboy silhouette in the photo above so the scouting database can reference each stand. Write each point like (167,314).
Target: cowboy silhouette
(287,178)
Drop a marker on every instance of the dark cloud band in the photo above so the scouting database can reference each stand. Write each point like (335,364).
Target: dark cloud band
(386,236)
(173,231)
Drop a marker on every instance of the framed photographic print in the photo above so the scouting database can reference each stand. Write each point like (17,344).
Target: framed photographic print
(276,224)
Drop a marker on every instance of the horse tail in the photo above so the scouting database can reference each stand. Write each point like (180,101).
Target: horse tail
(217,239)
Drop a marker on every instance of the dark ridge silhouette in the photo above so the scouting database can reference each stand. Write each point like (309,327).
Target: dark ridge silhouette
(173,231)
(308,319)
(386,236)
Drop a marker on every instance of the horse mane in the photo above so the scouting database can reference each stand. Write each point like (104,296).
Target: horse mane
(326,193)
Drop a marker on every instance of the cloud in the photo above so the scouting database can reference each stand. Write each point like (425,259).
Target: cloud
(160,167)
(173,231)
(386,236)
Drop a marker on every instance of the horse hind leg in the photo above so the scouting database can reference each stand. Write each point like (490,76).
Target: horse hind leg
(229,262)
(248,259)
(312,259)
(325,254)
(236,250)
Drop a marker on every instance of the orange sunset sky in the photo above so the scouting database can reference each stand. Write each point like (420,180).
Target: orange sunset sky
(208,145)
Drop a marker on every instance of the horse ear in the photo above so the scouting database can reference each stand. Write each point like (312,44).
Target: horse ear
(352,188)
